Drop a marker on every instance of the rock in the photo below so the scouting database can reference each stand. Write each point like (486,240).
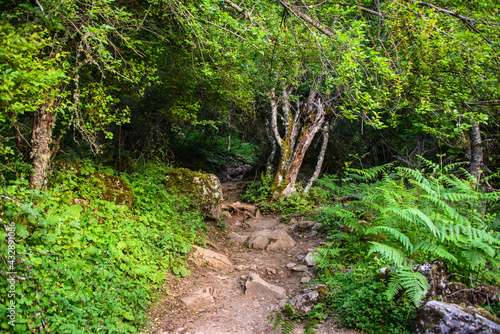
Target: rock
(300,267)
(231,173)
(200,300)
(270,240)
(110,188)
(202,256)
(257,287)
(291,265)
(240,208)
(205,189)
(242,267)
(225,215)
(310,259)
(271,271)
(305,279)
(305,300)
(237,240)
(436,317)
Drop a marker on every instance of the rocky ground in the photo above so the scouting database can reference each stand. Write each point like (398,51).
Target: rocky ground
(249,270)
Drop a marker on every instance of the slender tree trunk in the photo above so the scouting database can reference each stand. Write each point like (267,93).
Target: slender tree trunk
(270,159)
(300,127)
(41,139)
(476,156)
(321,157)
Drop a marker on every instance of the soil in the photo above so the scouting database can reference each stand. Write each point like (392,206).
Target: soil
(234,312)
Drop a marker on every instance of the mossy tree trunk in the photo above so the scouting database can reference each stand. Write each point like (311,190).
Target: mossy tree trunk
(41,140)
(299,127)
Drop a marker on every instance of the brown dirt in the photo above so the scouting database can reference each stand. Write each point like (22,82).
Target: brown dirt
(235,312)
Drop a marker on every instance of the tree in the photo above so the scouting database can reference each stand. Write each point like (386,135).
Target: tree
(80,52)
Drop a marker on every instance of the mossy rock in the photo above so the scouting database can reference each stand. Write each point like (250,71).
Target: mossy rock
(114,189)
(204,189)
(104,186)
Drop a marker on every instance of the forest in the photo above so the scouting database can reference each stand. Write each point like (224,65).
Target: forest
(377,118)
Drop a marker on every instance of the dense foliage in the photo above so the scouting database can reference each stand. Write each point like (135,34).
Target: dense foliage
(282,86)
(88,264)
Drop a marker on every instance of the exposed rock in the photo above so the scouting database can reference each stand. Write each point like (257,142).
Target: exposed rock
(291,265)
(237,240)
(231,173)
(200,300)
(205,189)
(305,279)
(310,259)
(270,240)
(257,287)
(436,317)
(271,271)
(300,267)
(305,300)
(202,256)
(242,267)
(246,209)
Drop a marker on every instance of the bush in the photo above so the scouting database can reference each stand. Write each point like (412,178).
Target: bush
(358,298)
(85,264)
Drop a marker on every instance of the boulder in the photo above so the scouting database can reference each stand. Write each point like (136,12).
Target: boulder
(245,209)
(204,189)
(436,317)
(257,287)
(304,301)
(270,240)
(237,240)
(202,256)
(200,300)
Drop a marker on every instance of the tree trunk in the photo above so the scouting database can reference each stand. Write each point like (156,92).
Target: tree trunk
(476,149)
(41,139)
(300,127)
(321,157)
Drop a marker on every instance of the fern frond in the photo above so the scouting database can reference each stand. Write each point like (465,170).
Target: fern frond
(413,282)
(389,253)
(405,241)
(436,251)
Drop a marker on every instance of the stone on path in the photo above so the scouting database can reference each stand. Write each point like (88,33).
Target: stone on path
(237,240)
(310,259)
(203,256)
(305,300)
(270,240)
(300,267)
(200,300)
(436,317)
(257,287)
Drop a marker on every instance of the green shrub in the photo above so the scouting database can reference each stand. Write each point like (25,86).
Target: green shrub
(358,298)
(413,217)
(92,266)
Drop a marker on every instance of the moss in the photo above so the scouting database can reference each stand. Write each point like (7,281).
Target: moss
(204,189)
(114,189)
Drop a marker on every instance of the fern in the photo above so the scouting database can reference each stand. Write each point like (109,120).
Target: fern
(391,254)
(281,323)
(412,282)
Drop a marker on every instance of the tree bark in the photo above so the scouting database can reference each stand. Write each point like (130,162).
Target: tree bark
(476,149)
(41,139)
(321,157)
(300,127)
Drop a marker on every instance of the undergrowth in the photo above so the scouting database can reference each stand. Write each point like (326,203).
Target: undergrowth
(84,264)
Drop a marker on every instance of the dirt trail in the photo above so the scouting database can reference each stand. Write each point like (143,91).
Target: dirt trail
(234,312)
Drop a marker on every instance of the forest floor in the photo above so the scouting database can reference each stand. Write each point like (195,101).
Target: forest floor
(235,312)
